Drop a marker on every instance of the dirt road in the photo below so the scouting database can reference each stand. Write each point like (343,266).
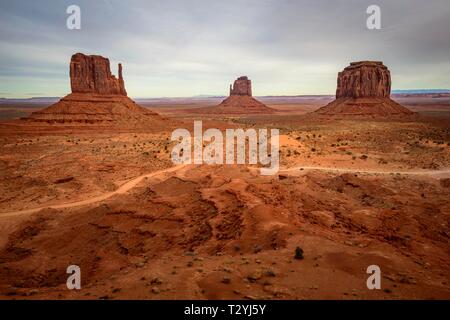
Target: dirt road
(435,173)
(133,182)
(121,190)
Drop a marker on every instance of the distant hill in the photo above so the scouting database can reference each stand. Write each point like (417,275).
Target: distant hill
(39,100)
(421,91)
(51,100)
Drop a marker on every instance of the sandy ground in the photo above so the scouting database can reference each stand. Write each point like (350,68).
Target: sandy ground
(350,193)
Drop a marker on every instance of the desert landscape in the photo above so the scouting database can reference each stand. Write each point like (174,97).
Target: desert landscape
(88,180)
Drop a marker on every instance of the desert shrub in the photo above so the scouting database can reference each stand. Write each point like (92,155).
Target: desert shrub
(298,253)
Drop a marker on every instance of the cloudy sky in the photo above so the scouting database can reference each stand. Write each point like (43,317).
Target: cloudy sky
(177,48)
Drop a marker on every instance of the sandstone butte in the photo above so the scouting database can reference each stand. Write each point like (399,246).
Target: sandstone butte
(240,101)
(92,74)
(364,89)
(97,96)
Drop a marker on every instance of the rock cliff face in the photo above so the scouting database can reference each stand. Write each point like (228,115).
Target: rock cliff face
(92,74)
(241,87)
(363,89)
(364,79)
(97,97)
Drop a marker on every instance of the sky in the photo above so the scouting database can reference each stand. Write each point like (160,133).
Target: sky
(182,48)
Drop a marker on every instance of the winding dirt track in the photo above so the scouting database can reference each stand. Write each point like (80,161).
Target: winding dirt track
(438,173)
(121,190)
(133,182)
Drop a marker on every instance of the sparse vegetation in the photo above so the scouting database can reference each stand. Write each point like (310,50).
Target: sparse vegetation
(298,253)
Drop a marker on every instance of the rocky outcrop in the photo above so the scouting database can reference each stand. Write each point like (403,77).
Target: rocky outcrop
(240,101)
(364,79)
(92,74)
(93,108)
(363,89)
(97,97)
(241,87)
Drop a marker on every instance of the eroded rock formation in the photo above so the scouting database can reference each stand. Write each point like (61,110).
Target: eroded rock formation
(364,89)
(240,100)
(242,87)
(364,79)
(92,74)
(97,97)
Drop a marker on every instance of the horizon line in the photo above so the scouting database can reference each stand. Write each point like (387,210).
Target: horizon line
(393,91)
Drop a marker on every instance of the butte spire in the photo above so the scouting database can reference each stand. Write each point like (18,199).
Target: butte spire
(97,97)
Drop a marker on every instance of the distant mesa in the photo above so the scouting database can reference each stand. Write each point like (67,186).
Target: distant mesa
(97,96)
(364,88)
(240,101)
(242,87)
(364,79)
(91,74)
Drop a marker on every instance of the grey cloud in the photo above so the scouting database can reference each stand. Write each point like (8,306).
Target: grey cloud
(178,47)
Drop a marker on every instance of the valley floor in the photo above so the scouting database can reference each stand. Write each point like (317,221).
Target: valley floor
(350,194)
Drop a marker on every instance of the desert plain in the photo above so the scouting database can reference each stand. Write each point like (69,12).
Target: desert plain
(350,192)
